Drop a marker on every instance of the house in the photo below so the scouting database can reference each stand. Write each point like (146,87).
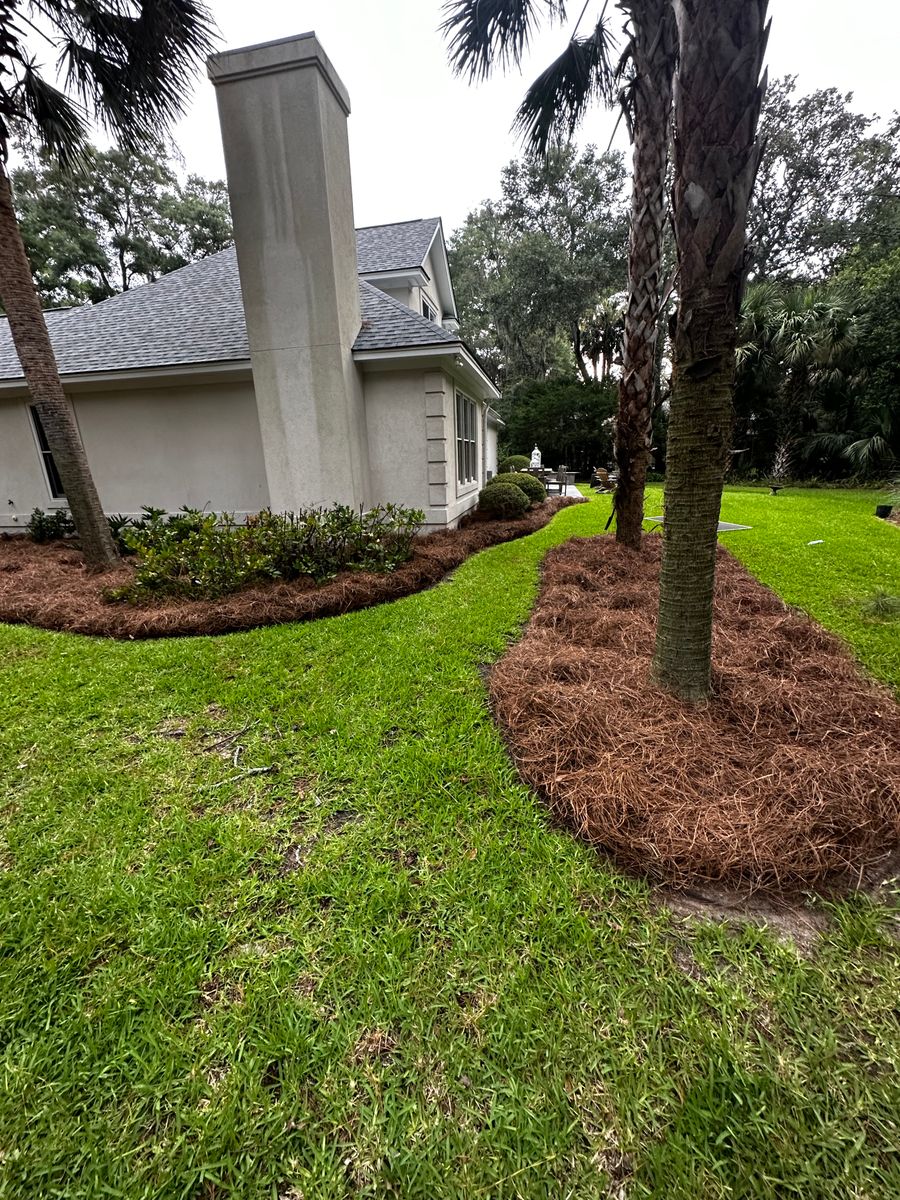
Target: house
(312,363)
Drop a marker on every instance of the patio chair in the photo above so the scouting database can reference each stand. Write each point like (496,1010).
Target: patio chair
(601,481)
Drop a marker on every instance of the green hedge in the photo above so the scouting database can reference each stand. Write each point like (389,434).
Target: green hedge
(501,499)
(515,462)
(532,487)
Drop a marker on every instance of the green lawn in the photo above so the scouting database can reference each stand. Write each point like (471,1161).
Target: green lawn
(378,972)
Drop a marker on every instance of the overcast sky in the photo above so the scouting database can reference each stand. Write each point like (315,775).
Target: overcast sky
(425,143)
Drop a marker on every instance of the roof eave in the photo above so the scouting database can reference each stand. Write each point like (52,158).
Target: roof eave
(455,351)
(169,375)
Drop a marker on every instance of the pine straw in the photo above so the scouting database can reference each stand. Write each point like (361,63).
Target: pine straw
(49,586)
(789,777)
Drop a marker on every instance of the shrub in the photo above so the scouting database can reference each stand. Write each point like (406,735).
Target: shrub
(501,499)
(49,526)
(532,487)
(515,462)
(201,555)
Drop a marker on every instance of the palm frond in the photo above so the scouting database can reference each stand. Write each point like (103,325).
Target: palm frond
(61,125)
(869,452)
(558,99)
(134,70)
(823,445)
(482,32)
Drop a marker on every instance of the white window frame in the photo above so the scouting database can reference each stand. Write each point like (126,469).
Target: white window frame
(466,440)
(429,310)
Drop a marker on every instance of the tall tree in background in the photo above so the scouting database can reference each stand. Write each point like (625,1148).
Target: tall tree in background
(718,97)
(828,185)
(128,66)
(530,268)
(122,218)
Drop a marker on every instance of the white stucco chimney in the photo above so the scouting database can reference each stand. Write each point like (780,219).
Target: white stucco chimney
(283,113)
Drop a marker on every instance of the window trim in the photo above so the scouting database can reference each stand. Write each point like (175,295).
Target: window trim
(429,310)
(466,431)
(49,468)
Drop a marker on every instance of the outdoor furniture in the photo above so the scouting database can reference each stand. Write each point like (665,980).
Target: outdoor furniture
(555,479)
(775,488)
(601,480)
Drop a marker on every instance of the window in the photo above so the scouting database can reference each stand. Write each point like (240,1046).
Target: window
(53,480)
(428,310)
(466,439)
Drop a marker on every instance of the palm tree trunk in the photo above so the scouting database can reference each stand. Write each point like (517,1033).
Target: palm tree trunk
(718,94)
(653,52)
(32,342)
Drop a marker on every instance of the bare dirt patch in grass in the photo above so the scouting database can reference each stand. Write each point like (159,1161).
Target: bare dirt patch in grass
(49,586)
(788,778)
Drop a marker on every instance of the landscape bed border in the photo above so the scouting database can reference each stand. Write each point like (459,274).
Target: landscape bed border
(48,587)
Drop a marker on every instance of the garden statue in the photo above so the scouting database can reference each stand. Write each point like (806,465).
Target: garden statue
(536,459)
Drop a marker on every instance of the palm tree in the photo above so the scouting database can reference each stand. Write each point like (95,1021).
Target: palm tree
(127,65)
(718,95)
(553,107)
(799,367)
(651,55)
(603,336)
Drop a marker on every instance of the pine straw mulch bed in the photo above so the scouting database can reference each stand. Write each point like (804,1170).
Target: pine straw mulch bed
(49,586)
(788,778)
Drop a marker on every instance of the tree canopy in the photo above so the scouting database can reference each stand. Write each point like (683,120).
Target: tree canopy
(530,268)
(829,185)
(120,219)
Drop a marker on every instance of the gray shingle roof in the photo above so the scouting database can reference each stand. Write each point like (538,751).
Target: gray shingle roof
(196,315)
(396,247)
(389,325)
(156,325)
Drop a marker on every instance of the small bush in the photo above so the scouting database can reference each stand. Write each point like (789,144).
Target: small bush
(655,477)
(533,488)
(200,555)
(515,462)
(50,526)
(501,499)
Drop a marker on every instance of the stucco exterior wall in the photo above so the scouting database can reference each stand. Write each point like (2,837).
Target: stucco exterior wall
(490,450)
(283,113)
(411,424)
(395,422)
(163,446)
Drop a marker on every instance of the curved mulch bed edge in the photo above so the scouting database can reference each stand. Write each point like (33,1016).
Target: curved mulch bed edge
(48,586)
(789,777)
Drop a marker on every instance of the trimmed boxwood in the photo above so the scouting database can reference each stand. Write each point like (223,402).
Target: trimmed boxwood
(501,499)
(515,462)
(533,488)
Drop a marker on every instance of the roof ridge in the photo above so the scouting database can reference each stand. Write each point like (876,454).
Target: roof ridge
(391,224)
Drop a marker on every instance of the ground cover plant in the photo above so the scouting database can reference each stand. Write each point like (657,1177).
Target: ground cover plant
(279,920)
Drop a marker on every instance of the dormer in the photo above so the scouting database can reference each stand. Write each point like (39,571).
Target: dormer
(408,261)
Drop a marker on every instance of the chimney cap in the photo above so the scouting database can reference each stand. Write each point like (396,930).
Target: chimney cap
(267,58)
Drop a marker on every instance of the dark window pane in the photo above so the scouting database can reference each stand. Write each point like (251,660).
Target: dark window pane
(53,480)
